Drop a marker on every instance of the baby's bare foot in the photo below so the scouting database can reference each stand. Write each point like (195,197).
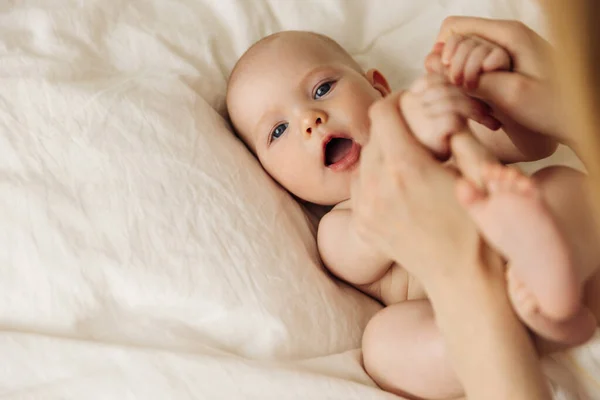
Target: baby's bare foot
(571,332)
(514,219)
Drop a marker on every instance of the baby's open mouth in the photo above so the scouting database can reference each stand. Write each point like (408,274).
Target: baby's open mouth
(341,153)
(336,149)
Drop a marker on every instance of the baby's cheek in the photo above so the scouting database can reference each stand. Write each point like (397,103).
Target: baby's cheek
(361,117)
(354,108)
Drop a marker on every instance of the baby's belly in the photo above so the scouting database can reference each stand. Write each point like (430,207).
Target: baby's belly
(397,285)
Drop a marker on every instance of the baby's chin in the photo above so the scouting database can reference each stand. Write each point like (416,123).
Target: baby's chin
(332,189)
(326,200)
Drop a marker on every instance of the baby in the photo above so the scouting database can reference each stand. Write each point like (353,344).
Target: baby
(300,102)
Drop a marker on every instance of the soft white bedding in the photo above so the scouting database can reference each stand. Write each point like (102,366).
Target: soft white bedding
(144,254)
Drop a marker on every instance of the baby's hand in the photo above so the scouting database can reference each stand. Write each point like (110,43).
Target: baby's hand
(465,58)
(435,109)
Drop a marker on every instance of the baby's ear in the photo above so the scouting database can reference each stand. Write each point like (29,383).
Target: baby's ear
(378,81)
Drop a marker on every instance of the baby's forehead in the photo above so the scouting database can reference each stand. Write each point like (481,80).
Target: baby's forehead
(290,50)
(300,43)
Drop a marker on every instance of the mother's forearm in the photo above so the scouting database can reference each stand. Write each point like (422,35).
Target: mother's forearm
(489,347)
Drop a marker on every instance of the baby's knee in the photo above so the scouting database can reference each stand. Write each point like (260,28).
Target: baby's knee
(404,353)
(375,339)
(561,186)
(384,356)
(551,174)
(395,325)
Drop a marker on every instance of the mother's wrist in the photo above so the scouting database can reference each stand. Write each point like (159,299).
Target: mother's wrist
(480,268)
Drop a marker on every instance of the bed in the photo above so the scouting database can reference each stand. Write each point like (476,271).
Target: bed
(144,254)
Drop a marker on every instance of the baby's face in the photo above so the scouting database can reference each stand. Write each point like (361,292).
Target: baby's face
(301,106)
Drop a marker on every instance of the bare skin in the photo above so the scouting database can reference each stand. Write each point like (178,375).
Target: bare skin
(410,325)
(287,117)
(548,212)
(545,286)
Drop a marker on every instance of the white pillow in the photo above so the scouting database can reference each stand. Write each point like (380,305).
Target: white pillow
(130,212)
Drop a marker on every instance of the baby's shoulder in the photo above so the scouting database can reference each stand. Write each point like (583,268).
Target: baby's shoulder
(336,219)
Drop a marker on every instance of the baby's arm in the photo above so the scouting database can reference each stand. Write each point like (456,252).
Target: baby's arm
(464,59)
(345,254)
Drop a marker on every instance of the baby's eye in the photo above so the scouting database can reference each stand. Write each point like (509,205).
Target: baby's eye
(279,131)
(322,90)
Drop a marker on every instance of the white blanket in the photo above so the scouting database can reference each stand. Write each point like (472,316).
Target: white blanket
(144,254)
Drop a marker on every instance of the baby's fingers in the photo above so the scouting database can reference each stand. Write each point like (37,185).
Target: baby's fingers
(444,126)
(497,60)
(450,48)
(474,67)
(464,106)
(459,61)
(428,83)
(433,64)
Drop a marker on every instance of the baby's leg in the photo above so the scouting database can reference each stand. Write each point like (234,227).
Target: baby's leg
(543,226)
(567,195)
(553,335)
(405,354)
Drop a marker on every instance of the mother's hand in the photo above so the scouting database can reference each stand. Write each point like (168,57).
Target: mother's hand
(404,202)
(526,94)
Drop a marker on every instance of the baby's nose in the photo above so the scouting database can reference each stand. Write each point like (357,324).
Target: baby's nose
(312,120)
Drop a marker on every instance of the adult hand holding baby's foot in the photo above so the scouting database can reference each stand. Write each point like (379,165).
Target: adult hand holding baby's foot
(435,109)
(400,186)
(403,204)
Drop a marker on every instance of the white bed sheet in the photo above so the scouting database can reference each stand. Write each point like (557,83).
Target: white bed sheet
(144,254)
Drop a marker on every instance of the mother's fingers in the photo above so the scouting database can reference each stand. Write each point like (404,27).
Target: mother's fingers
(371,160)
(433,63)
(470,156)
(370,163)
(393,137)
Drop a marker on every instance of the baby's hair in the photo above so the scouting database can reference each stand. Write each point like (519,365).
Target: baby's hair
(335,46)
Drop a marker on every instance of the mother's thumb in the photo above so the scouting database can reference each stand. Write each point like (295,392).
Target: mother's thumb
(508,92)
(470,156)
(527,101)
